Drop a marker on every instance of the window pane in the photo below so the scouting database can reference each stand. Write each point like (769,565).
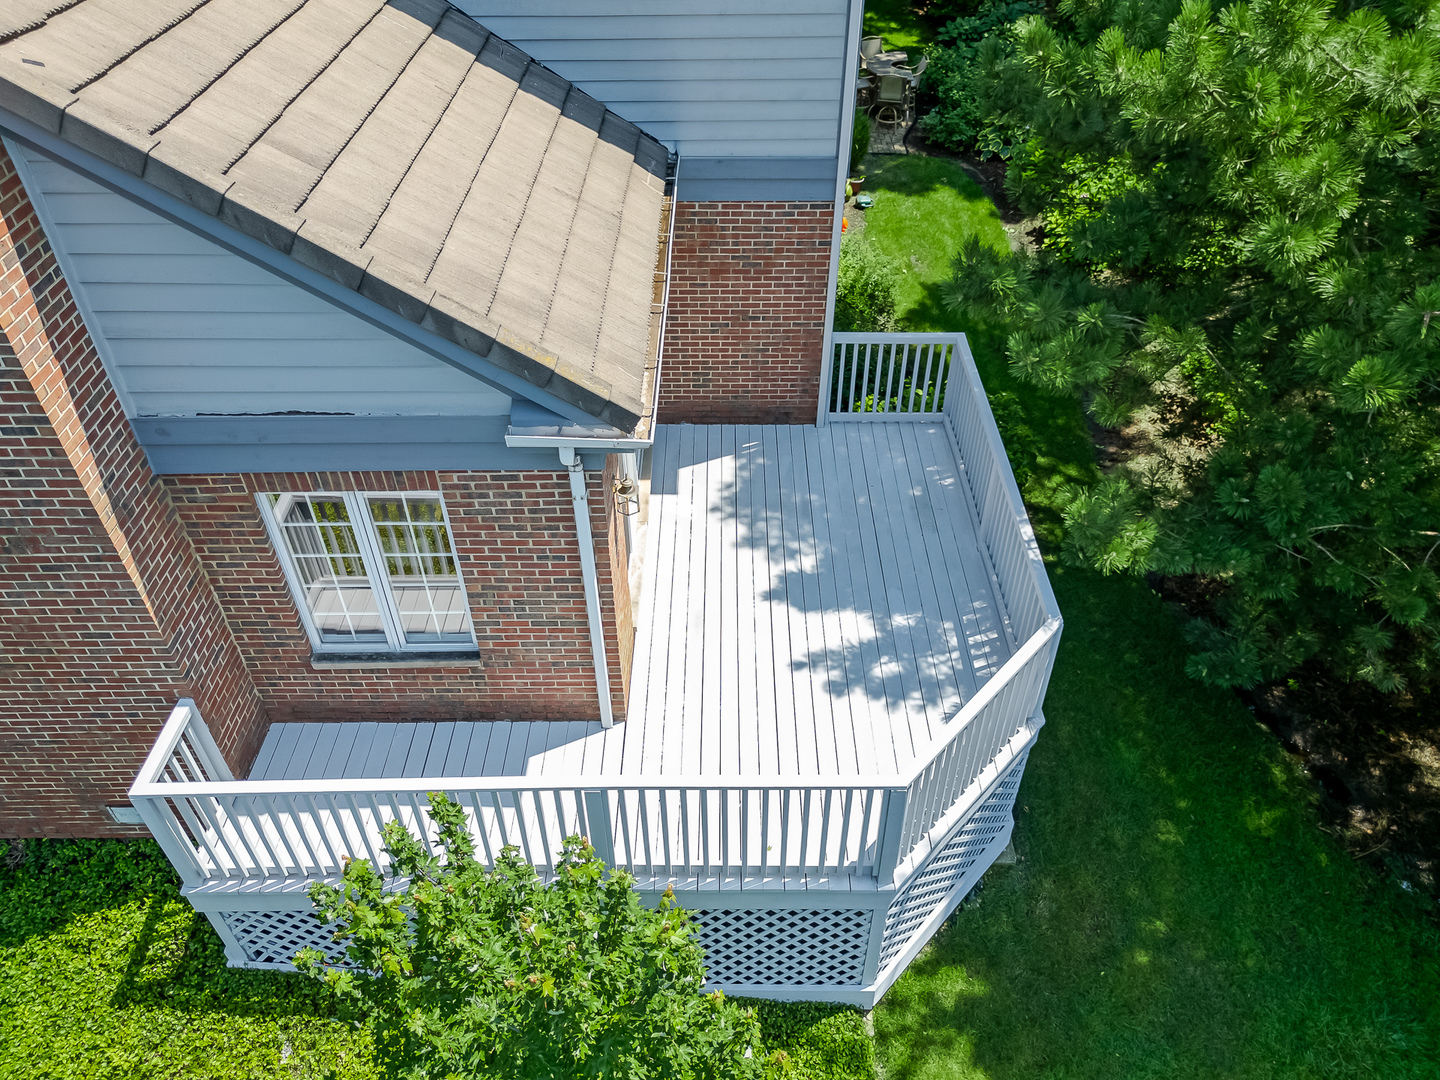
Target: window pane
(337,588)
(420,564)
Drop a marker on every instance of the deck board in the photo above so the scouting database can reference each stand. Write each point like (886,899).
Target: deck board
(814,601)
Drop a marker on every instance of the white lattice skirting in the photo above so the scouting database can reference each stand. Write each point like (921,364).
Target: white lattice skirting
(773,946)
(817,947)
(942,876)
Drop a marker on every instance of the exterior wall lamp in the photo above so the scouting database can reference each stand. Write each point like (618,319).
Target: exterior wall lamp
(627,496)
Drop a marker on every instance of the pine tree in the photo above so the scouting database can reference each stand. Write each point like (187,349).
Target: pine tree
(1241,264)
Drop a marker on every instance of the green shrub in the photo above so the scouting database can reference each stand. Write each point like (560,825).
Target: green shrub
(472,971)
(859,142)
(107,973)
(820,1041)
(952,90)
(865,292)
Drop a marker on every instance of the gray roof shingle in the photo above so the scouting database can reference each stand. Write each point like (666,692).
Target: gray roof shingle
(397,147)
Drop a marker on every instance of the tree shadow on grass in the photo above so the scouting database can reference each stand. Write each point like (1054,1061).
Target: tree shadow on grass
(178,962)
(1176,913)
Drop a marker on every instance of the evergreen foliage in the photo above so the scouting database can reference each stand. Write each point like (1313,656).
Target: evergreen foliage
(470,971)
(953,93)
(1242,267)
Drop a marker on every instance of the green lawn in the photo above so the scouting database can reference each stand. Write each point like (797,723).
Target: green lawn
(107,974)
(1177,911)
(897,22)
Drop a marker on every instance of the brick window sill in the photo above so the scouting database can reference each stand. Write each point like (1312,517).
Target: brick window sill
(333,661)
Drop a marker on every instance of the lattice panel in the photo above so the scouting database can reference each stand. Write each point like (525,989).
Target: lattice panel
(815,947)
(942,874)
(274,937)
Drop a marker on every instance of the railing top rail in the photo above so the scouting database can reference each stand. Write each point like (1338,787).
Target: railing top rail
(992,688)
(852,338)
(384,785)
(1007,476)
(169,737)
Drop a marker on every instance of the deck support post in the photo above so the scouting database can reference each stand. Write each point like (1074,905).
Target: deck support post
(892,833)
(576,466)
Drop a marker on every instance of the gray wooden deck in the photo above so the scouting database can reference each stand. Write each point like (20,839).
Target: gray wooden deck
(814,603)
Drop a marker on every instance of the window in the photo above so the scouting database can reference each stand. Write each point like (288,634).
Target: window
(371,572)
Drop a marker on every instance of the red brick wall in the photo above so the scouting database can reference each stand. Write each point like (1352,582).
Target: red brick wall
(746,320)
(106,618)
(121,592)
(514,534)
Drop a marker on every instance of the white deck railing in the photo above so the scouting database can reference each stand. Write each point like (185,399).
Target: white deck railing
(216,828)
(875,376)
(219,829)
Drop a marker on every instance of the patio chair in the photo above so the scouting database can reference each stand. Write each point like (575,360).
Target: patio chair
(919,70)
(870,46)
(892,99)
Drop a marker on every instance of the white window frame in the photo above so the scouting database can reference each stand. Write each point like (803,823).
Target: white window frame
(358,507)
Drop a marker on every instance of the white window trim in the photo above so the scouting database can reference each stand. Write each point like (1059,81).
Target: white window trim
(357,505)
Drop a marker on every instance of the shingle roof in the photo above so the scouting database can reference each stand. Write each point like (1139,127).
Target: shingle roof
(398,147)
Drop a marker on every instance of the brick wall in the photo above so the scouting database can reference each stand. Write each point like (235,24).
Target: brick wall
(746,320)
(105,615)
(514,535)
(121,591)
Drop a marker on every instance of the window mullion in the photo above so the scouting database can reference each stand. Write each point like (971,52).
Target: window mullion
(359,506)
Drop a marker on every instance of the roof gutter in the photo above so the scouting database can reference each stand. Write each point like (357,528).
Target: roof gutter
(581,500)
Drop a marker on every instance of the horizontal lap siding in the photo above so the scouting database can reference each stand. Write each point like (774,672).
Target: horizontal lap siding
(711,79)
(190,328)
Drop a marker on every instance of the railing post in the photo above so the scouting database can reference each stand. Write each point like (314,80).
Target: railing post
(165,828)
(892,832)
(200,736)
(597,821)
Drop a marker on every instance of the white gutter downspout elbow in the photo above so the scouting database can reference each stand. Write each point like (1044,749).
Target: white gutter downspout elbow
(572,461)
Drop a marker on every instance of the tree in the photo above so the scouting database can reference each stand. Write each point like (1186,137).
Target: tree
(471,972)
(1241,264)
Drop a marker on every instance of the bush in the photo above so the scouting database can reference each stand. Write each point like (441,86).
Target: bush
(819,1041)
(107,973)
(477,972)
(953,87)
(859,142)
(865,291)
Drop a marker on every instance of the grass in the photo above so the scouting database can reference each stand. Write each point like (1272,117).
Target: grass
(897,23)
(1177,911)
(107,974)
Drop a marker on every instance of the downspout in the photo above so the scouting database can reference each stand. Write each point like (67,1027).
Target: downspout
(842,176)
(580,497)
